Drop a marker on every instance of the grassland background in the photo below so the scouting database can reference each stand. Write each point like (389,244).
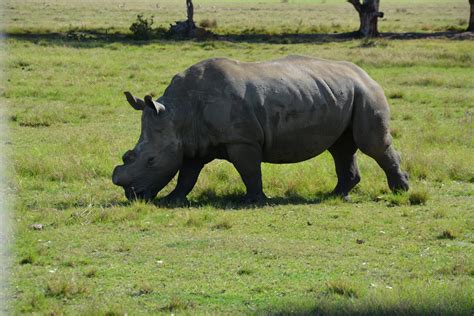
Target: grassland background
(69,125)
(268,16)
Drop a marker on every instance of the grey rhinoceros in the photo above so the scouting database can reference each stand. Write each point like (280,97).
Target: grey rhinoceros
(281,111)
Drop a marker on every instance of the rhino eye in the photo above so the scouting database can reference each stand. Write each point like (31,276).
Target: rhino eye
(150,161)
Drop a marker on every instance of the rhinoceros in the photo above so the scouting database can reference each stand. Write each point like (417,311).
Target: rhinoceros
(282,111)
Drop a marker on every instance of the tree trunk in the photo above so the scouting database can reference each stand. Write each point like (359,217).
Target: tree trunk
(190,9)
(185,28)
(368,15)
(470,27)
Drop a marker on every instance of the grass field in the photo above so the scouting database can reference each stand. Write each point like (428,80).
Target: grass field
(302,253)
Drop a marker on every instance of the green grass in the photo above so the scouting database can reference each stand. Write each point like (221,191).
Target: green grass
(304,252)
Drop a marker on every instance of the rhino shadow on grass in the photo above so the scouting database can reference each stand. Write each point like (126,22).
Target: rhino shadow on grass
(208,198)
(231,201)
(234,201)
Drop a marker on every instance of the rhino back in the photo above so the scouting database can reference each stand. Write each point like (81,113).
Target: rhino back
(294,107)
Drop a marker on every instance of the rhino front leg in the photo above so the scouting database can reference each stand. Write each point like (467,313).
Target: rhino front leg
(247,160)
(188,175)
(343,153)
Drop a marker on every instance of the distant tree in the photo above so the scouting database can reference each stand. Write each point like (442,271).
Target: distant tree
(368,15)
(185,28)
(190,12)
(470,27)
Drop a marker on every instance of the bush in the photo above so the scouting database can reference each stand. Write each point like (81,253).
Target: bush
(141,28)
(208,23)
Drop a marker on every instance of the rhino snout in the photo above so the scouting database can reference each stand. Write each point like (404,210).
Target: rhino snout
(118,176)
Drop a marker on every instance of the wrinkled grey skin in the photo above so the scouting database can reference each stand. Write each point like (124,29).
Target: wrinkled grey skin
(281,111)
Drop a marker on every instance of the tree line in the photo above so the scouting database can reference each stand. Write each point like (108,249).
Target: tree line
(368,11)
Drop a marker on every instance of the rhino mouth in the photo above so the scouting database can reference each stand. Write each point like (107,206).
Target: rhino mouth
(144,190)
(133,194)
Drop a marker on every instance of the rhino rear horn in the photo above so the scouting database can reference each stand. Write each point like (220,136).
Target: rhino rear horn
(136,103)
(156,106)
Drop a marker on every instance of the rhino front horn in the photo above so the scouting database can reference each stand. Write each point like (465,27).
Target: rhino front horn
(136,103)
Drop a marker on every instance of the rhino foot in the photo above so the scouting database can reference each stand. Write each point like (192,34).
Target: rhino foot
(255,198)
(175,200)
(343,187)
(398,182)
(344,196)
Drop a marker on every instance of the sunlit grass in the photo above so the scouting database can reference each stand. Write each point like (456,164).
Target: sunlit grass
(303,252)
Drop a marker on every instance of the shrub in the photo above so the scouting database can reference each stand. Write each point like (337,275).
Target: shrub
(141,28)
(208,23)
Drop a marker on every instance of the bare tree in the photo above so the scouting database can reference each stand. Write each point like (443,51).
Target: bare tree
(368,14)
(470,27)
(190,10)
(185,28)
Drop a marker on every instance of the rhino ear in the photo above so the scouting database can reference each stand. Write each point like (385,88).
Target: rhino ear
(156,106)
(136,103)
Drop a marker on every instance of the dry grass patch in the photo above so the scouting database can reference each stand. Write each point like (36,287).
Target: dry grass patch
(176,304)
(64,286)
(143,289)
(343,288)
(440,213)
(222,225)
(459,267)
(418,197)
(447,234)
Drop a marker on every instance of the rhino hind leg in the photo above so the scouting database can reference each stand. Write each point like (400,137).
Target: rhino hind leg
(389,161)
(247,160)
(188,175)
(343,152)
(372,136)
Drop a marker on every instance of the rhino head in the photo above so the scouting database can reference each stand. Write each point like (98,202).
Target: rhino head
(157,156)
